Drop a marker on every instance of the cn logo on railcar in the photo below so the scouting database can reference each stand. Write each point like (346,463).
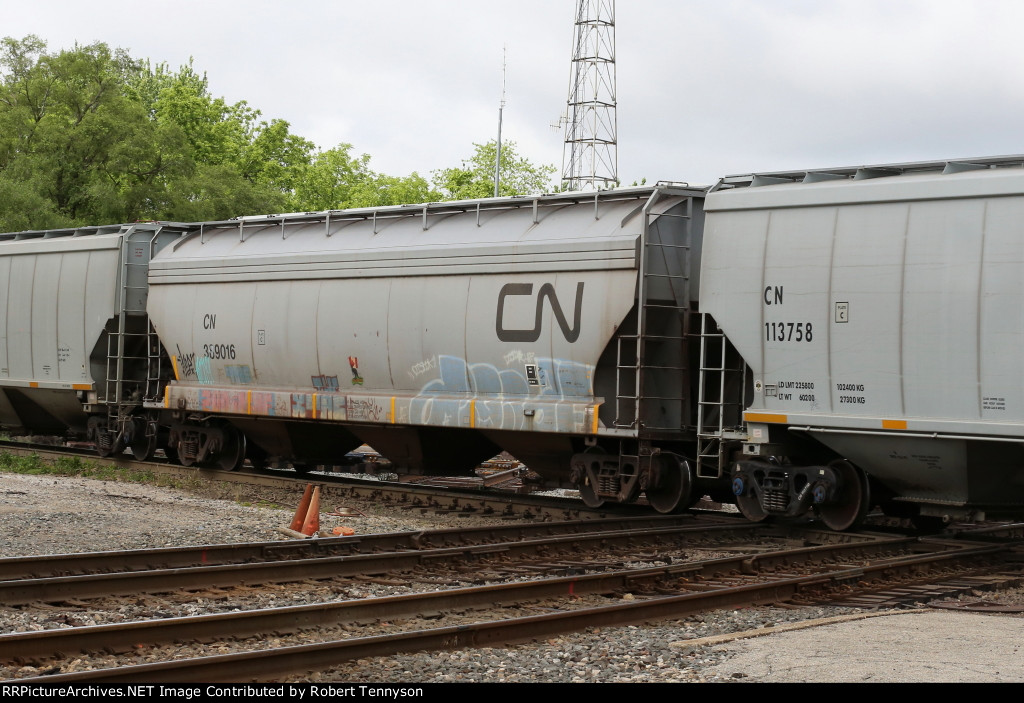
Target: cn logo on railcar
(546,291)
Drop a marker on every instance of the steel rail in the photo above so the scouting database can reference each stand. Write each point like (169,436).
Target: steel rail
(86,586)
(125,635)
(274,663)
(213,554)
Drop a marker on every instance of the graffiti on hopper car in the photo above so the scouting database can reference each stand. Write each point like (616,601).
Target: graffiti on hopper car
(186,364)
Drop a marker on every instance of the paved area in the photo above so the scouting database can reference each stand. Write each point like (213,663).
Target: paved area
(911,647)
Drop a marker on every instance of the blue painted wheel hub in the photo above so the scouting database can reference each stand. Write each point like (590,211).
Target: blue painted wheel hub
(737,486)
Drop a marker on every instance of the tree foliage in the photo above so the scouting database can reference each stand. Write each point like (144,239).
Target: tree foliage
(69,135)
(475,177)
(90,135)
(335,179)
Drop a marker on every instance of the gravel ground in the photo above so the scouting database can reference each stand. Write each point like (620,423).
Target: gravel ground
(40,514)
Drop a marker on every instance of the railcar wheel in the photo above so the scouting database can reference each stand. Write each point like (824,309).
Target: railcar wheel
(746,497)
(142,447)
(164,442)
(184,459)
(673,486)
(750,508)
(584,477)
(232,453)
(853,501)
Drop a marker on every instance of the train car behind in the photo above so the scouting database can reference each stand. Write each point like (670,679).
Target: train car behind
(879,310)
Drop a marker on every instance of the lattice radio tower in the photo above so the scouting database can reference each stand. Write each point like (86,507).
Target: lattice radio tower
(590,154)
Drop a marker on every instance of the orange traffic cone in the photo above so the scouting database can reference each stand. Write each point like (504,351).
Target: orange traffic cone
(300,513)
(312,524)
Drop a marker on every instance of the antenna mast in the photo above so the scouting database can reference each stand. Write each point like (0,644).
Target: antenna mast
(590,154)
(501,108)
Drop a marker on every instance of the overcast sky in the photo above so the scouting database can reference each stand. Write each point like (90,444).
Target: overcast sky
(705,89)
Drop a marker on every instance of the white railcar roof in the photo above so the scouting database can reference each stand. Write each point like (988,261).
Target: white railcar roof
(926,180)
(557,232)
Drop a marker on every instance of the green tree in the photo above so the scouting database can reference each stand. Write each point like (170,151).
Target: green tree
(327,182)
(90,135)
(475,178)
(237,163)
(393,190)
(335,179)
(71,135)
(22,207)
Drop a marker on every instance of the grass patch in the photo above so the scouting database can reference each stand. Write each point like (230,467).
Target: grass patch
(271,504)
(33,464)
(78,467)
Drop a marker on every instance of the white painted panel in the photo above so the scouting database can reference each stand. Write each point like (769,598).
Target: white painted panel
(19,317)
(498,367)
(73,347)
(1001,326)
(270,331)
(5,282)
(221,318)
(731,290)
(44,316)
(940,314)
(794,304)
(427,327)
(100,298)
(866,307)
(287,313)
(352,335)
(170,309)
(607,299)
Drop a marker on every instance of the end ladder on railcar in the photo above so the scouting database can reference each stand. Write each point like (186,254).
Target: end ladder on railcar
(652,359)
(721,397)
(136,364)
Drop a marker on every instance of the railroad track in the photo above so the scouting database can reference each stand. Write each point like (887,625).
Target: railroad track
(499,551)
(424,494)
(516,612)
(54,565)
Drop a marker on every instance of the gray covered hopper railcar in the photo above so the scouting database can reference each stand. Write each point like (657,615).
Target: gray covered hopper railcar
(441,334)
(77,353)
(880,312)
